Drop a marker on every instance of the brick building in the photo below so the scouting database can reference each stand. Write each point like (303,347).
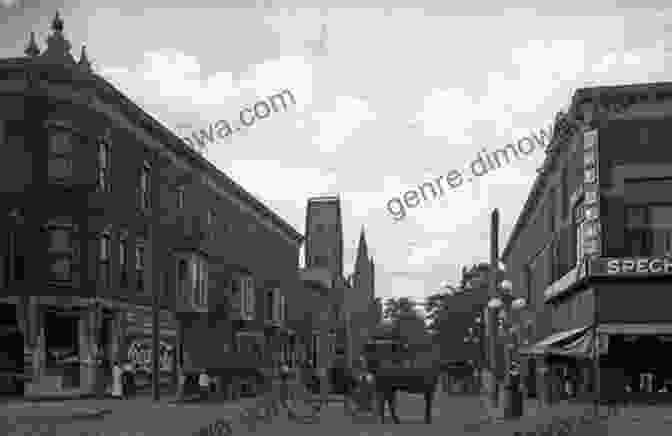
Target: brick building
(102,206)
(589,249)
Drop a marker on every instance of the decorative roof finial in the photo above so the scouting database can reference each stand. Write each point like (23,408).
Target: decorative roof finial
(57,23)
(84,63)
(32,49)
(58,48)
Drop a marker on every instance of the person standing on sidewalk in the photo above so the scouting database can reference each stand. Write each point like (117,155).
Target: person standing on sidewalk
(117,380)
(204,384)
(128,379)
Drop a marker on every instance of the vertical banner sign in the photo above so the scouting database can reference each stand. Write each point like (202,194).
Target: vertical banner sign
(590,227)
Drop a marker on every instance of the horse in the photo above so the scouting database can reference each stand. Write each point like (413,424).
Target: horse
(388,381)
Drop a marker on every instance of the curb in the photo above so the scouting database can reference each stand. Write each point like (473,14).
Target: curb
(75,416)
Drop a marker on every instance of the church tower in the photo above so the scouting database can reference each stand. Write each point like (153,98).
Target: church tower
(363,277)
(324,235)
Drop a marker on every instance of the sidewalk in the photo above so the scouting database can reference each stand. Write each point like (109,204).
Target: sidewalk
(631,420)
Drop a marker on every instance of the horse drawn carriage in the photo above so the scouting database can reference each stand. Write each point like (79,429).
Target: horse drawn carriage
(397,366)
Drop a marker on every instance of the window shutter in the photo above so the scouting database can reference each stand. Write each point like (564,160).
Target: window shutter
(283,310)
(193,280)
(251,306)
(276,302)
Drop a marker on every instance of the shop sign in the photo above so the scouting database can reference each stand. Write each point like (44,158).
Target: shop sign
(140,354)
(645,266)
(590,237)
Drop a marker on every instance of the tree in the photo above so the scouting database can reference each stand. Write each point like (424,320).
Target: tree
(396,308)
(407,322)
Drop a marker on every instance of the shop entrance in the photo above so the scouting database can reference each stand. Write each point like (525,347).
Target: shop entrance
(647,374)
(11,352)
(62,345)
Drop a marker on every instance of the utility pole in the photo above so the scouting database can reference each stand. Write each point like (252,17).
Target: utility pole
(492,318)
(154,282)
(323,356)
(155,346)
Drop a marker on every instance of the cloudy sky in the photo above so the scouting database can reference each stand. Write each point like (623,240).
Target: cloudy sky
(393,95)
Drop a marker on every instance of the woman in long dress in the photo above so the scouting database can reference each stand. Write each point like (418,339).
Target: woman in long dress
(117,387)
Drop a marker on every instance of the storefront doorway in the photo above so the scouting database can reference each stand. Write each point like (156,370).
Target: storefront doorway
(62,345)
(648,375)
(11,352)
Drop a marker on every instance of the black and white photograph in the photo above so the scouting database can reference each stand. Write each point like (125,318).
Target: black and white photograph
(335,217)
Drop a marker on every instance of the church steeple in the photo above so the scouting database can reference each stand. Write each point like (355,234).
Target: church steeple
(84,63)
(362,250)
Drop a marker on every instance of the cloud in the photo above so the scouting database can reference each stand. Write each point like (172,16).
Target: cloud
(336,126)
(449,104)
(287,72)
(626,66)
(270,180)
(177,74)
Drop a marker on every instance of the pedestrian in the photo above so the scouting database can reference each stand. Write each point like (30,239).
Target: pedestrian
(117,380)
(204,384)
(129,378)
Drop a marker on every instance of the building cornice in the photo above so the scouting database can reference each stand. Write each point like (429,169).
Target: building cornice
(110,102)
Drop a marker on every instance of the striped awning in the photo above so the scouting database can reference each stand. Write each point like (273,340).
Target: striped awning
(575,342)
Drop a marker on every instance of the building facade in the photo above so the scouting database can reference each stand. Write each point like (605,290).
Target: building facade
(589,250)
(324,250)
(103,207)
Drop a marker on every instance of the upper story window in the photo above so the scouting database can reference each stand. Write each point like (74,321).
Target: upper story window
(212,224)
(123,258)
(648,230)
(145,186)
(577,224)
(14,261)
(140,264)
(564,182)
(200,282)
(179,191)
(104,258)
(62,249)
(527,281)
(104,165)
(319,228)
(247,296)
(183,283)
(270,305)
(551,201)
(60,156)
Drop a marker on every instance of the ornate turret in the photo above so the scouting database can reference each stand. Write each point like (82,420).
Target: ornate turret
(84,63)
(32,49)
(58,48)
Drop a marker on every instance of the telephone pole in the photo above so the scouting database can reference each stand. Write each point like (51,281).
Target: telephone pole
(492,319)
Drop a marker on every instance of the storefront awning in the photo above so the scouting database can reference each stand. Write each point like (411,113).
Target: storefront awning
(575,342)
(635,329)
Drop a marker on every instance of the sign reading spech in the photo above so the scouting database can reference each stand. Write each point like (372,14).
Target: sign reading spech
(645,266)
